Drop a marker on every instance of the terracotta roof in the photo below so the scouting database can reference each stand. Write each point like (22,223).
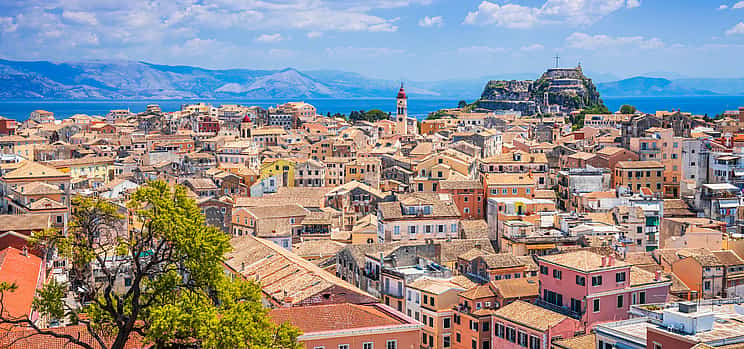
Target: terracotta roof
(284,276)
(333,317)
(610,150)
(46,204)
(587,341)
(442,206)
(26,339)
(517,288)
(639,277)
(29,221)
(474,229)
(639,164)
(434,285)
(529,315)
(24,272)
(501,260)
(30,169)
(38,188)
(460,184)
(510,179)
(472,254)
(317,248)
(728,258)
(289,210)
(477,292)
(581,260)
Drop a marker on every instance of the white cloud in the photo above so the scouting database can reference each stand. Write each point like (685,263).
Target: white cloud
(633,3)
(80,17)
(427,21)
(507,15)
(595,42)
(723,7)
(738,29)
(532,48)
(737,5)
(267,38)
(314,35)
(577,12)
(480,50)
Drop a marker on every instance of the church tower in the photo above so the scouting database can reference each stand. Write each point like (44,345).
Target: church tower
(401,113)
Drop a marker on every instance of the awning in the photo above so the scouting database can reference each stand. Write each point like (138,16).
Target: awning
(728,204)
(738,173)
(541,247)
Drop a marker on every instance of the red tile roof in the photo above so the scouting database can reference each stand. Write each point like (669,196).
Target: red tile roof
(333,317)
(26,339)
(23,271)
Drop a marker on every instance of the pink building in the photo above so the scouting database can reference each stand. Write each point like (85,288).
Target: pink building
(347,326)
(593,288)
(525,325)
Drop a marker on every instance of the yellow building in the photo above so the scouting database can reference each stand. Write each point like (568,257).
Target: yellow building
(85,168)
(283,168)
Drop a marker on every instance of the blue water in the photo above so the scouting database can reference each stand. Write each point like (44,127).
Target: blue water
(419,108)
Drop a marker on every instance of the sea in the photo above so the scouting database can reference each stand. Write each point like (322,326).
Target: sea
(20,109)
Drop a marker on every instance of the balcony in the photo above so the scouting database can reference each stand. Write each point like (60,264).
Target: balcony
(651,229)
(559,309)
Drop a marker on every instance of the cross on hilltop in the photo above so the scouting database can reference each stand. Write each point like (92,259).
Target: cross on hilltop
(557,57)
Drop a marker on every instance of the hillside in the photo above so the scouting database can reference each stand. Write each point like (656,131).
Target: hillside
(141,80)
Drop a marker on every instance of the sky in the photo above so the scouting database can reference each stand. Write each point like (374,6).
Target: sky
(391,39)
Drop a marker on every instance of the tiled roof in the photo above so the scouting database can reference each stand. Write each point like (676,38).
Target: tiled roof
(728,258)
(639,277)
(288,210)
(460,184)
(434,285)
(23,271)
(30,169)
(472,254)
(477,292)
(639,164)
(26,339)
(529,315)
(501,260)
(284,276)
(38,188)
(510,179)
(517,288)
(442,206)
(33,222)
(313,248)
(587,341)
(333,317)
(581,260)
(46,204)
(474,229)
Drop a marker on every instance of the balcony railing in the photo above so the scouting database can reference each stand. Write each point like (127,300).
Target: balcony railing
(560,309)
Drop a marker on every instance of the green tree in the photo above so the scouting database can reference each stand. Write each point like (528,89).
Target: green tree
(578,121)
(375,115)
(176,291)
(462,104)
(627,109)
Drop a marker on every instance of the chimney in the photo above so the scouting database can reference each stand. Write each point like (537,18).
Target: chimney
(610,260)
(25,251)
(657,275)
(604,261)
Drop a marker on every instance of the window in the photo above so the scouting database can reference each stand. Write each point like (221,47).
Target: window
(557,274)
(522,339)
(595,307)
(368,345)
(514,191)
(473,344)
(534,342)
(499,330)
(707,286)
(620,301)
(543,270)
(596,280)
(580,280)
(458,338)
(431,301)
(412,229)
(453,227)
(620,277)
(657,345)
(396,230)
(392,344)
(426,300)
(446,323)
(431,321)
(486,326)
(343,346)
(511,334)
(446,341)
(642,297)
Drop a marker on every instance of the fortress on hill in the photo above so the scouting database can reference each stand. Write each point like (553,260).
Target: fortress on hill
(557,90)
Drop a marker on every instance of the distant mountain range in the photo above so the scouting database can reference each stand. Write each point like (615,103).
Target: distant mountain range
(108,80)
(141,80)
(642,86)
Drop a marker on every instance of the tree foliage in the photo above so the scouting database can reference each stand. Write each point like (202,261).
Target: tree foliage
(627,109)
(371,116)
(176,291)
(578,120)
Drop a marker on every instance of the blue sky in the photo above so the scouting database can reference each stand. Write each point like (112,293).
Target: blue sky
(393,39)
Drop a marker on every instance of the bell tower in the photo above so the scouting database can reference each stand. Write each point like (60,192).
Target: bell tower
(401,113)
